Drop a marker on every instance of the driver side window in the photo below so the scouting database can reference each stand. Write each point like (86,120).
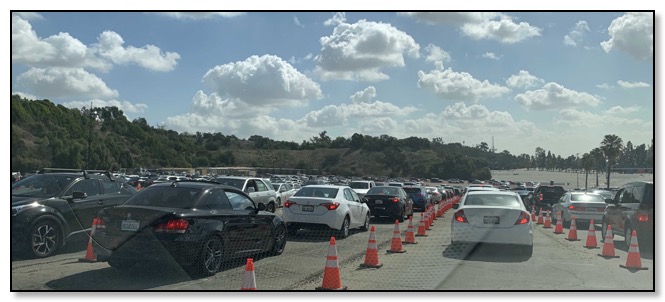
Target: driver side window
(239,202)
(88,186)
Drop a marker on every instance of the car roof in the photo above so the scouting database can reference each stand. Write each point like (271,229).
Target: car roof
(194,184)
(488,192)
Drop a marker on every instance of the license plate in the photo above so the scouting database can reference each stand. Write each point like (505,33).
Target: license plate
(378,201)
(594,209)
(129,225)
(308,208)
(491,219)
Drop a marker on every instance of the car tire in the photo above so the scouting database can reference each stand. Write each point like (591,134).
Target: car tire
(44,239)
(279,241)
(210,257)
(365,226)
(400,217)
(603,231)
(121,264)
(270,207)
(344,230)
(627,234)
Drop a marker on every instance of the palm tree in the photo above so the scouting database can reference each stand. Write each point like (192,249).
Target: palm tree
(587,164)
(612,147)
(597,159)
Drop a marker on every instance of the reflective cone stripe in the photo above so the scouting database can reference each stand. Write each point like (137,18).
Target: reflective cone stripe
(409,237)
(331,274)
(540,216)
(608,244)
(591,241)
(559,225)
(634,260)
(249,280)
(572,233)
(372,254)
(396,246)
(90,253)
(548,221)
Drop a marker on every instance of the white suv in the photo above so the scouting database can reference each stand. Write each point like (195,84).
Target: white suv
(361,187)
(256,188)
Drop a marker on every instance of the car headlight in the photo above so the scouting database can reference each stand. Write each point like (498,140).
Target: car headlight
(19,209)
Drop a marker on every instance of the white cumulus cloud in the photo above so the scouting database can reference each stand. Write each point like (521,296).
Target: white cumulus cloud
(622,110)
(576,34)
(60,82)
(125,106)
(200,15)
(491,55)
(337,19)
(262,81)
(604,86)
(359,51)
(460,86)
(364,96)
(436,54)
(110,46)
(628,85)
(632,33)
(554,96)
(524,80)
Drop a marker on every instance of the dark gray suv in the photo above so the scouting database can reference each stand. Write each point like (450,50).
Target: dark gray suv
(631,209)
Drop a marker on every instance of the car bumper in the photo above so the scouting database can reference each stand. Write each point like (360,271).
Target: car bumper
(331,219)
(147,248)
(385,210)
(519,234)
(583,216)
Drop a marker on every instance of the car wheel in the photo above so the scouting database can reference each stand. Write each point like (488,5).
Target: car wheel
(627,235)
(344,231)
(270,207)
(279,241)
(400,217)
(603,231)
(365,226)
(121,264)
(45,238)
(210,257)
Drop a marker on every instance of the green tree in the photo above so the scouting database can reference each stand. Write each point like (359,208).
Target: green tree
(612,147)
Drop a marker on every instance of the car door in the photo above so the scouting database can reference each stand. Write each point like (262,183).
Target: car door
(248,229)
(614,210)
(355,207)
(85,209)
(408,203)
(630,206)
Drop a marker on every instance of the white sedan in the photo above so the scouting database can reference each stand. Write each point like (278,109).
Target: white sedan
(493,217)
(328,207)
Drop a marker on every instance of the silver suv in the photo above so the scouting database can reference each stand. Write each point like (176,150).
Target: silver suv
(255,187)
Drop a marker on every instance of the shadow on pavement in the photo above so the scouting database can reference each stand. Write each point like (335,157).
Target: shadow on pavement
(484,252)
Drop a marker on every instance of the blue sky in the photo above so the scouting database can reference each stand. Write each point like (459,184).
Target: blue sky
(556,80)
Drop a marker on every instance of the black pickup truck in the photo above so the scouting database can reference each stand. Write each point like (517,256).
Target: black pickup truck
(545,196)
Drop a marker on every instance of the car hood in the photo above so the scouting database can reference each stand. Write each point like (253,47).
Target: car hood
(23,200)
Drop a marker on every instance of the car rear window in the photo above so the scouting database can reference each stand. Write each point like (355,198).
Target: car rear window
(587,197)
(552,189)
(317,192)
(359,185)
(382,191)
(412,190)
(238,183)
(493,200)
(169,197)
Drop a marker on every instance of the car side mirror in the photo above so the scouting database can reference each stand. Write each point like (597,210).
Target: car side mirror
(262,206)
(79,195)
(456,206)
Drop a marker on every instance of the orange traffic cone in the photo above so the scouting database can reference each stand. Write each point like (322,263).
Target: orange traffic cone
(608,244)
(248,280)
(427,225)
(540,216)
(572,233)
(331,276)
(591,242)
(409,236)
(558,229)
(430,213)
(372,255)
(434,210)
(634,261)
(533,214)
(90,253)
(548,221)
(421,227)
(396,246)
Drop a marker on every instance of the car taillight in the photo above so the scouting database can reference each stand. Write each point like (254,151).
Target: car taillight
(642,216)
(395,200)
(330,206)
(571,208)
(288,203)
(173,226)
(540,196)
(524,218)
(419,194)
(459,216)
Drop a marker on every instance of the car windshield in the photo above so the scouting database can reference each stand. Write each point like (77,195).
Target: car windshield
(233,182)
(304,126)
(312,191)
(41,185)
(359,185)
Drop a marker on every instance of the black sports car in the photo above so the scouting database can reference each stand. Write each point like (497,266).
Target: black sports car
(198,224)
(389,201)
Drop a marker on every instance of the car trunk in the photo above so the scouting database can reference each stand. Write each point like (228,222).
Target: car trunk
(491,217)
(309,205)
(126,222)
